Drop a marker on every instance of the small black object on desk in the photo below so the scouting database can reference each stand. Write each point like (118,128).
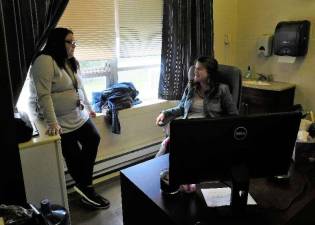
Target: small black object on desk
(166,188)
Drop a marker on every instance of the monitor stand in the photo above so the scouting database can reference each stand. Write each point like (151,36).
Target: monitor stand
(240,187)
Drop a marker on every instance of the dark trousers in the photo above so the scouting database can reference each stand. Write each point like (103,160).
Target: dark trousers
(79,149)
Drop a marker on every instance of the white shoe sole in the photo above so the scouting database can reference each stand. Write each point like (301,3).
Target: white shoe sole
(86,197)
(84,201)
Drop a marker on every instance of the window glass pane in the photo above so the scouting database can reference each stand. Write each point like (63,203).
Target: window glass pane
(93,24)
(145,80)
(140,27)
(94,84)
(91,64)
(23,101)
(95,68)
(139,61)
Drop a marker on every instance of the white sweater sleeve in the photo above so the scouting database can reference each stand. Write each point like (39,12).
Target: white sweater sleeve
(85,99)
(42,73)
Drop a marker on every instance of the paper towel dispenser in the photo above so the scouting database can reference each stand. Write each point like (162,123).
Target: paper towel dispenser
(291,38)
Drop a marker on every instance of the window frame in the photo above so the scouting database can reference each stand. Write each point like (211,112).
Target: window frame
(112,76)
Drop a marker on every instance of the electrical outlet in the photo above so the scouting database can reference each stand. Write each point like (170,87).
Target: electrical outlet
(226,39)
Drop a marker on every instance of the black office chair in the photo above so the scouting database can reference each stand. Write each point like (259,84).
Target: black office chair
(229,75)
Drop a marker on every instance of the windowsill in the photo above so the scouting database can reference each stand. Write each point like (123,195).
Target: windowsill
(149,102)
(144,104)
(138,129)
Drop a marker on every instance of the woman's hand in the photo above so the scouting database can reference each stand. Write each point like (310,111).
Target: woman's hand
(160,119)
(53,129)
(92,114)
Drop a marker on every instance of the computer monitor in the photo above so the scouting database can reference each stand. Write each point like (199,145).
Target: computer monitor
(246,147)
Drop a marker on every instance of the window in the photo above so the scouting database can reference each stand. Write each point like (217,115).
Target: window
(143,72)
(118,41)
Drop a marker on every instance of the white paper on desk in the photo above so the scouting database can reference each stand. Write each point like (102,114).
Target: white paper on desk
(215,197)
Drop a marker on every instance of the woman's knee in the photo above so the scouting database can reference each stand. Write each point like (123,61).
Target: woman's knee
(93,134)
(94,140)
(164,147)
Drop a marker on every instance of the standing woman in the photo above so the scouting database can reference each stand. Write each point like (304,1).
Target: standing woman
(57,95)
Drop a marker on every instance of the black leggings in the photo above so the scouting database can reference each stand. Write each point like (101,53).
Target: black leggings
(79,149)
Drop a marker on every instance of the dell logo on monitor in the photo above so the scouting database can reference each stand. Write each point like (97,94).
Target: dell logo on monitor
(240,133)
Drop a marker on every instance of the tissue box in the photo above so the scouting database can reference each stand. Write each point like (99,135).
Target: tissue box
(304,152)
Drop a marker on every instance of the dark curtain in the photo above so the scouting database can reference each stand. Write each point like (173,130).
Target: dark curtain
(24,25)
(187,33)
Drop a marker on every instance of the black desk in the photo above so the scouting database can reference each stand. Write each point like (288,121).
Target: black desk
(142,199)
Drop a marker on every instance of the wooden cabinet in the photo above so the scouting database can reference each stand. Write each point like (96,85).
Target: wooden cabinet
(267,99)
(43,170)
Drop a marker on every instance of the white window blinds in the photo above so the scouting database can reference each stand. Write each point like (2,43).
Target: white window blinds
(140,27)
(93,24)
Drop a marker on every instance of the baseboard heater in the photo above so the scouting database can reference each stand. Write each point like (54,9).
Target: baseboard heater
(116,163)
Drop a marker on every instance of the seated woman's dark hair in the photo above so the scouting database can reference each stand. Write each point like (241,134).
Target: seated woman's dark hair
(211,65)
(55,47)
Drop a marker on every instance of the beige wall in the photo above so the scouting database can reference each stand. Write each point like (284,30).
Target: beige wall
(225,24)
(255,18)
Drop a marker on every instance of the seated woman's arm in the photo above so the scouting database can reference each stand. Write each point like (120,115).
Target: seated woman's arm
(177,111)
(227,102)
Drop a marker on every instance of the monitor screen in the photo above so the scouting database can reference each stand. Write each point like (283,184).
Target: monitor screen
(208,149)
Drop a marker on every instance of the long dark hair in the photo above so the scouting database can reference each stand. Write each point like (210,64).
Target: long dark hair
(55,47)
(211,65)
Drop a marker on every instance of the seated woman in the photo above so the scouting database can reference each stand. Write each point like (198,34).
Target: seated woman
(204,96)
